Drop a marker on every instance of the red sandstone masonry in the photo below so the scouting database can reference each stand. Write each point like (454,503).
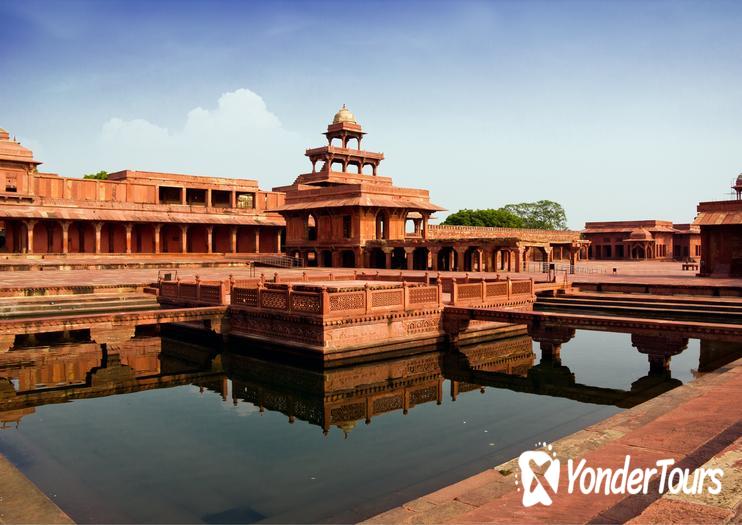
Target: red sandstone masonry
(483,232)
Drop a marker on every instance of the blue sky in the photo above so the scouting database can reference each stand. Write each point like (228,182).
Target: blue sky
(618,110)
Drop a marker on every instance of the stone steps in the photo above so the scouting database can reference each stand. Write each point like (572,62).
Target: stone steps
(628,307)
(50,306)
(701,306)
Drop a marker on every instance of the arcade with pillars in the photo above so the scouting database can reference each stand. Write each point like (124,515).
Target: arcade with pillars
(488,256)
(32,236)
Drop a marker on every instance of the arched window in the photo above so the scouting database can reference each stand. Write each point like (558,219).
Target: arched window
(311,228)
(336,166)
(368,169)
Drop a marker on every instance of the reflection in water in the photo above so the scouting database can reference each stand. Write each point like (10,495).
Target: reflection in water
(495,398)
(328,397)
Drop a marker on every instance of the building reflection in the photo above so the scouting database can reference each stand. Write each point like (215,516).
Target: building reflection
(341,397)
(57,374)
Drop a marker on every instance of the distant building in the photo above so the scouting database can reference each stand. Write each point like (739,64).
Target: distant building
(133,212)
(642,240)
(720,223)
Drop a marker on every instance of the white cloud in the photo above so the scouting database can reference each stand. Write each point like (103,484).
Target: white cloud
(240,138)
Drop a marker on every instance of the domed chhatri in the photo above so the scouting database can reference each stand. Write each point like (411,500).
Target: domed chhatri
(344,115)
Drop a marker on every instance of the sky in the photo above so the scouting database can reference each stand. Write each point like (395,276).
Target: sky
(618,110)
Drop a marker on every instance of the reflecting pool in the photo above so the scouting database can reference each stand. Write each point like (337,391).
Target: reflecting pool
(163,430)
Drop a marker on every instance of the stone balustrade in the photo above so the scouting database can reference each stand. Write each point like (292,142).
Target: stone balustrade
(484,292)
(337,301)
(197,292)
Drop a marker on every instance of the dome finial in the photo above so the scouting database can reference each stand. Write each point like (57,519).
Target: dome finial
(344,115)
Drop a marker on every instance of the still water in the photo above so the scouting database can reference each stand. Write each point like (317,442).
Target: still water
(205,451)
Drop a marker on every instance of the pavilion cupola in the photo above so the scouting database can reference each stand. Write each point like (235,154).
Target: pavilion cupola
(343,153)
(737,187)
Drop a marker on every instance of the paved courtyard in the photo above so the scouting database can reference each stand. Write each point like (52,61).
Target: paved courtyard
(592,271)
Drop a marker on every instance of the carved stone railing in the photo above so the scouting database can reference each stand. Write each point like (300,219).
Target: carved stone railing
(196,292)
(486,292)
(327,301)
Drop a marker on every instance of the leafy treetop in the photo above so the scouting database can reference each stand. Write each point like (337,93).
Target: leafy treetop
(101,175)
(541,215)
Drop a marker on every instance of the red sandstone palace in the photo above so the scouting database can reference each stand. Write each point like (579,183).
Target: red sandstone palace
(720,223)
(642,240)
(132,212)
(341,214)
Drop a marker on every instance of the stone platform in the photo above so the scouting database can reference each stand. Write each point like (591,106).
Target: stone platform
(698,425)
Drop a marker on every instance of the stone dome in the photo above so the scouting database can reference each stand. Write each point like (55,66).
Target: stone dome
(641,234)
(344,115)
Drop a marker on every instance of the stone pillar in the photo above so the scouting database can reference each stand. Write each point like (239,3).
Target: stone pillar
(233,238)
(574,255)
(183,196)
(257,239)
(98,226)
(424,233)
(519,260)
(184,238)
(460,252)
(278,241)
(208,198)
(410,258)
(65,236)
(480,259)
(29,236)
(551,339)
(659,350)
(157,237)
(129,227)
(209,234)
(434,258)
(388,258)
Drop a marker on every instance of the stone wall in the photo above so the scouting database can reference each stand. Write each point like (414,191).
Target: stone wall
(484,232)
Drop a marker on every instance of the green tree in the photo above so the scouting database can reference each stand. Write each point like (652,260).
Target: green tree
(542,215)
(101,175)
(490,217)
